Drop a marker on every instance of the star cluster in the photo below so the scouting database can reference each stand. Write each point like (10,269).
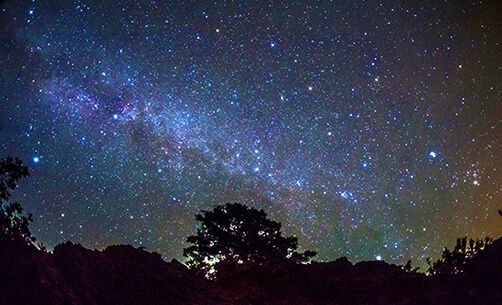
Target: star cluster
(369,129)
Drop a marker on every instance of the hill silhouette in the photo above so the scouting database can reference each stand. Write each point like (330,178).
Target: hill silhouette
(123,274)
(254,264)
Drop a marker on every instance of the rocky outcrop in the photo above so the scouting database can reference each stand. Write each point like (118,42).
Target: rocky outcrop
(75,275)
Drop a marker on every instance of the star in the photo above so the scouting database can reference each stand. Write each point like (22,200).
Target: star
(315,124)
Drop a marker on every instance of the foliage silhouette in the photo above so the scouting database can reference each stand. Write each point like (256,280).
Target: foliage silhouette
(453,262)
(409,268)
(14,223)
(235,233)
(11,171)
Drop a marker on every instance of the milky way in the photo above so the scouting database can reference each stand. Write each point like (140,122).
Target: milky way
(368,129)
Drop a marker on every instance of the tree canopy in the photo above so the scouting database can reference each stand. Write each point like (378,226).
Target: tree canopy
(237,233)
(14,223)
(11,171)
(453,262)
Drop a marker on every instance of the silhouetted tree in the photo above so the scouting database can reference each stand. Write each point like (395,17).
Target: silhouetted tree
(453,262)
(236,233)
(13,221)
(11,171)
(409,268)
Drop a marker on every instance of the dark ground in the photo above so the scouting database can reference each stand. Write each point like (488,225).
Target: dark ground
(125,275)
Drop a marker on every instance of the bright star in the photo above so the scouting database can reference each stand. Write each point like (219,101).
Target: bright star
(378,258)
(36,159)
(433,154)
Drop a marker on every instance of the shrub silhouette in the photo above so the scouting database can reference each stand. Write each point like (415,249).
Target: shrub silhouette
(453,262)
(14,223)
(235,233)
(408,267)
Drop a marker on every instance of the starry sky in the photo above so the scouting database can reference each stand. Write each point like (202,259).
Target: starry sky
(369,129)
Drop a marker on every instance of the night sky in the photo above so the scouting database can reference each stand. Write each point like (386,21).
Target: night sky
(370,130)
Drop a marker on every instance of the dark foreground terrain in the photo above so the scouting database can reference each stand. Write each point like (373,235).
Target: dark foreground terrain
(126,275)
